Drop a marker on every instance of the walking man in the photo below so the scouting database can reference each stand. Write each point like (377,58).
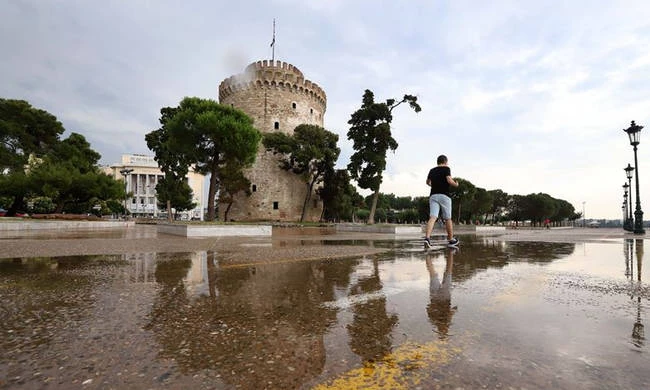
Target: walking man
(439,179)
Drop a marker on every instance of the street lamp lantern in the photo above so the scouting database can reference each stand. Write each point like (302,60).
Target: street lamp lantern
(628,171)
(634,133)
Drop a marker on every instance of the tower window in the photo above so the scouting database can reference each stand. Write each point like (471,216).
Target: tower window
(311,110)
(254,187)
(276,205)
(276,125)
(293,105)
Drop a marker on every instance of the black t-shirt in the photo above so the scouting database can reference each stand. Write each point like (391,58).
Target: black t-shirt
(438,177)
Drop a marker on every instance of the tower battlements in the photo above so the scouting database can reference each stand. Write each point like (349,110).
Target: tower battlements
(272,74)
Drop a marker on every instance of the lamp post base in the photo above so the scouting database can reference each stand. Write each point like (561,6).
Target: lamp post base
(638,222)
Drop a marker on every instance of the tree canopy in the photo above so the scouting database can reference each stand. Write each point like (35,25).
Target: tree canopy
(310,151)
(207,135)
(371,135)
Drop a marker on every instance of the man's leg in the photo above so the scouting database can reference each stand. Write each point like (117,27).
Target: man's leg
(430,223)
(450,229)
(434,209)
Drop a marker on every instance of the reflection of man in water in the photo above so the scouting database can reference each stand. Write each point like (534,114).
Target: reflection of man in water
(439,308)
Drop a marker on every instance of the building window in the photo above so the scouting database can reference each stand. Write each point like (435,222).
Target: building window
(276,205)
(293,105)
(254,187)
(276,125)
(311,110)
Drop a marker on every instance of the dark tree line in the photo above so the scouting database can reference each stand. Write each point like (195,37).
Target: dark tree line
(471,204)
(42,173)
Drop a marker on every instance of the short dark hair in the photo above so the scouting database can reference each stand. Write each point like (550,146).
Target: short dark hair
(442,159)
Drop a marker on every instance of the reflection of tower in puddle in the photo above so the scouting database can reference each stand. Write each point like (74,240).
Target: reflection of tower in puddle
(142,269)
(196,280)
(638,332)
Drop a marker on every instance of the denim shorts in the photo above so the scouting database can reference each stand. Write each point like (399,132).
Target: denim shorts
(440,204)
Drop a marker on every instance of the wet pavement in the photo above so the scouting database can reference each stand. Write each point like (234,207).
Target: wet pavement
(531,309)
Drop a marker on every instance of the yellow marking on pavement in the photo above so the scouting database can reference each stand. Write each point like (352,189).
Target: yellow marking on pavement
(405,367)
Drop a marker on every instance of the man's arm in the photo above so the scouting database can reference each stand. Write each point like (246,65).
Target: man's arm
(451,181)
(428,182)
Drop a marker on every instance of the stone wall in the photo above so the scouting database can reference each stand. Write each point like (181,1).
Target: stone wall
(278,98)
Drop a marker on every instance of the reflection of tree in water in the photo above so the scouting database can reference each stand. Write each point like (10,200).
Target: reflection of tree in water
(439,308)
(259,327)
(496,254)
(371,327)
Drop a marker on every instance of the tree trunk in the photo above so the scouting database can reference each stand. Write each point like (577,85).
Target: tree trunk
(225,213)
(59,207)
(170,218)
(18,200)
(373,208)
(310,186)
(212,191)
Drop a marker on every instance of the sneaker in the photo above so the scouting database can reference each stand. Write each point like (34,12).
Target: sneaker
(427,242)
(453,242)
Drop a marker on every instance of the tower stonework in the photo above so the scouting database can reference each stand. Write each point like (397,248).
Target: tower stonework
(277,97)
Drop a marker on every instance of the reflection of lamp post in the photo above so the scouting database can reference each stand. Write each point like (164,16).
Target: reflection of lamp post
(638,332)
(125,172)
(634,133)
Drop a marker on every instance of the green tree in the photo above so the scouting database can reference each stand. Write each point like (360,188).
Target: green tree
(339,196)
(173,161)
(563,210)
(69,175)
(499,204)
(515,209)
(463,197)
(174,193)
(208,135)
(310,152)
(482,203)
(538,207)
(371,136)
(24,131)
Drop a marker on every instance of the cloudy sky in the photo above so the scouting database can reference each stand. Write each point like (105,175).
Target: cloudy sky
(522,96)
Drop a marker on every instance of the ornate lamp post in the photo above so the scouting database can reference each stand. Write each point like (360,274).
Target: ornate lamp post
(634,133)
(628,173)
(125,172)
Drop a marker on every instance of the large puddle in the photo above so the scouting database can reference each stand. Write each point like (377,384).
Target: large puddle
(494,314)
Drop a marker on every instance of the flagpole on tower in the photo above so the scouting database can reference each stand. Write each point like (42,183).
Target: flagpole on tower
(273,43)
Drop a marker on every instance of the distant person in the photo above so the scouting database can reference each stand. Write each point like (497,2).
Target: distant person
(547,223)
(439,308)
(439,179)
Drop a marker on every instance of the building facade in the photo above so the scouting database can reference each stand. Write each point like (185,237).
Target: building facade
(141,174)
(277,97)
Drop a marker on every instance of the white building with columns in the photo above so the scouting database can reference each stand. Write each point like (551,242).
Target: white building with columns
(142,173)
